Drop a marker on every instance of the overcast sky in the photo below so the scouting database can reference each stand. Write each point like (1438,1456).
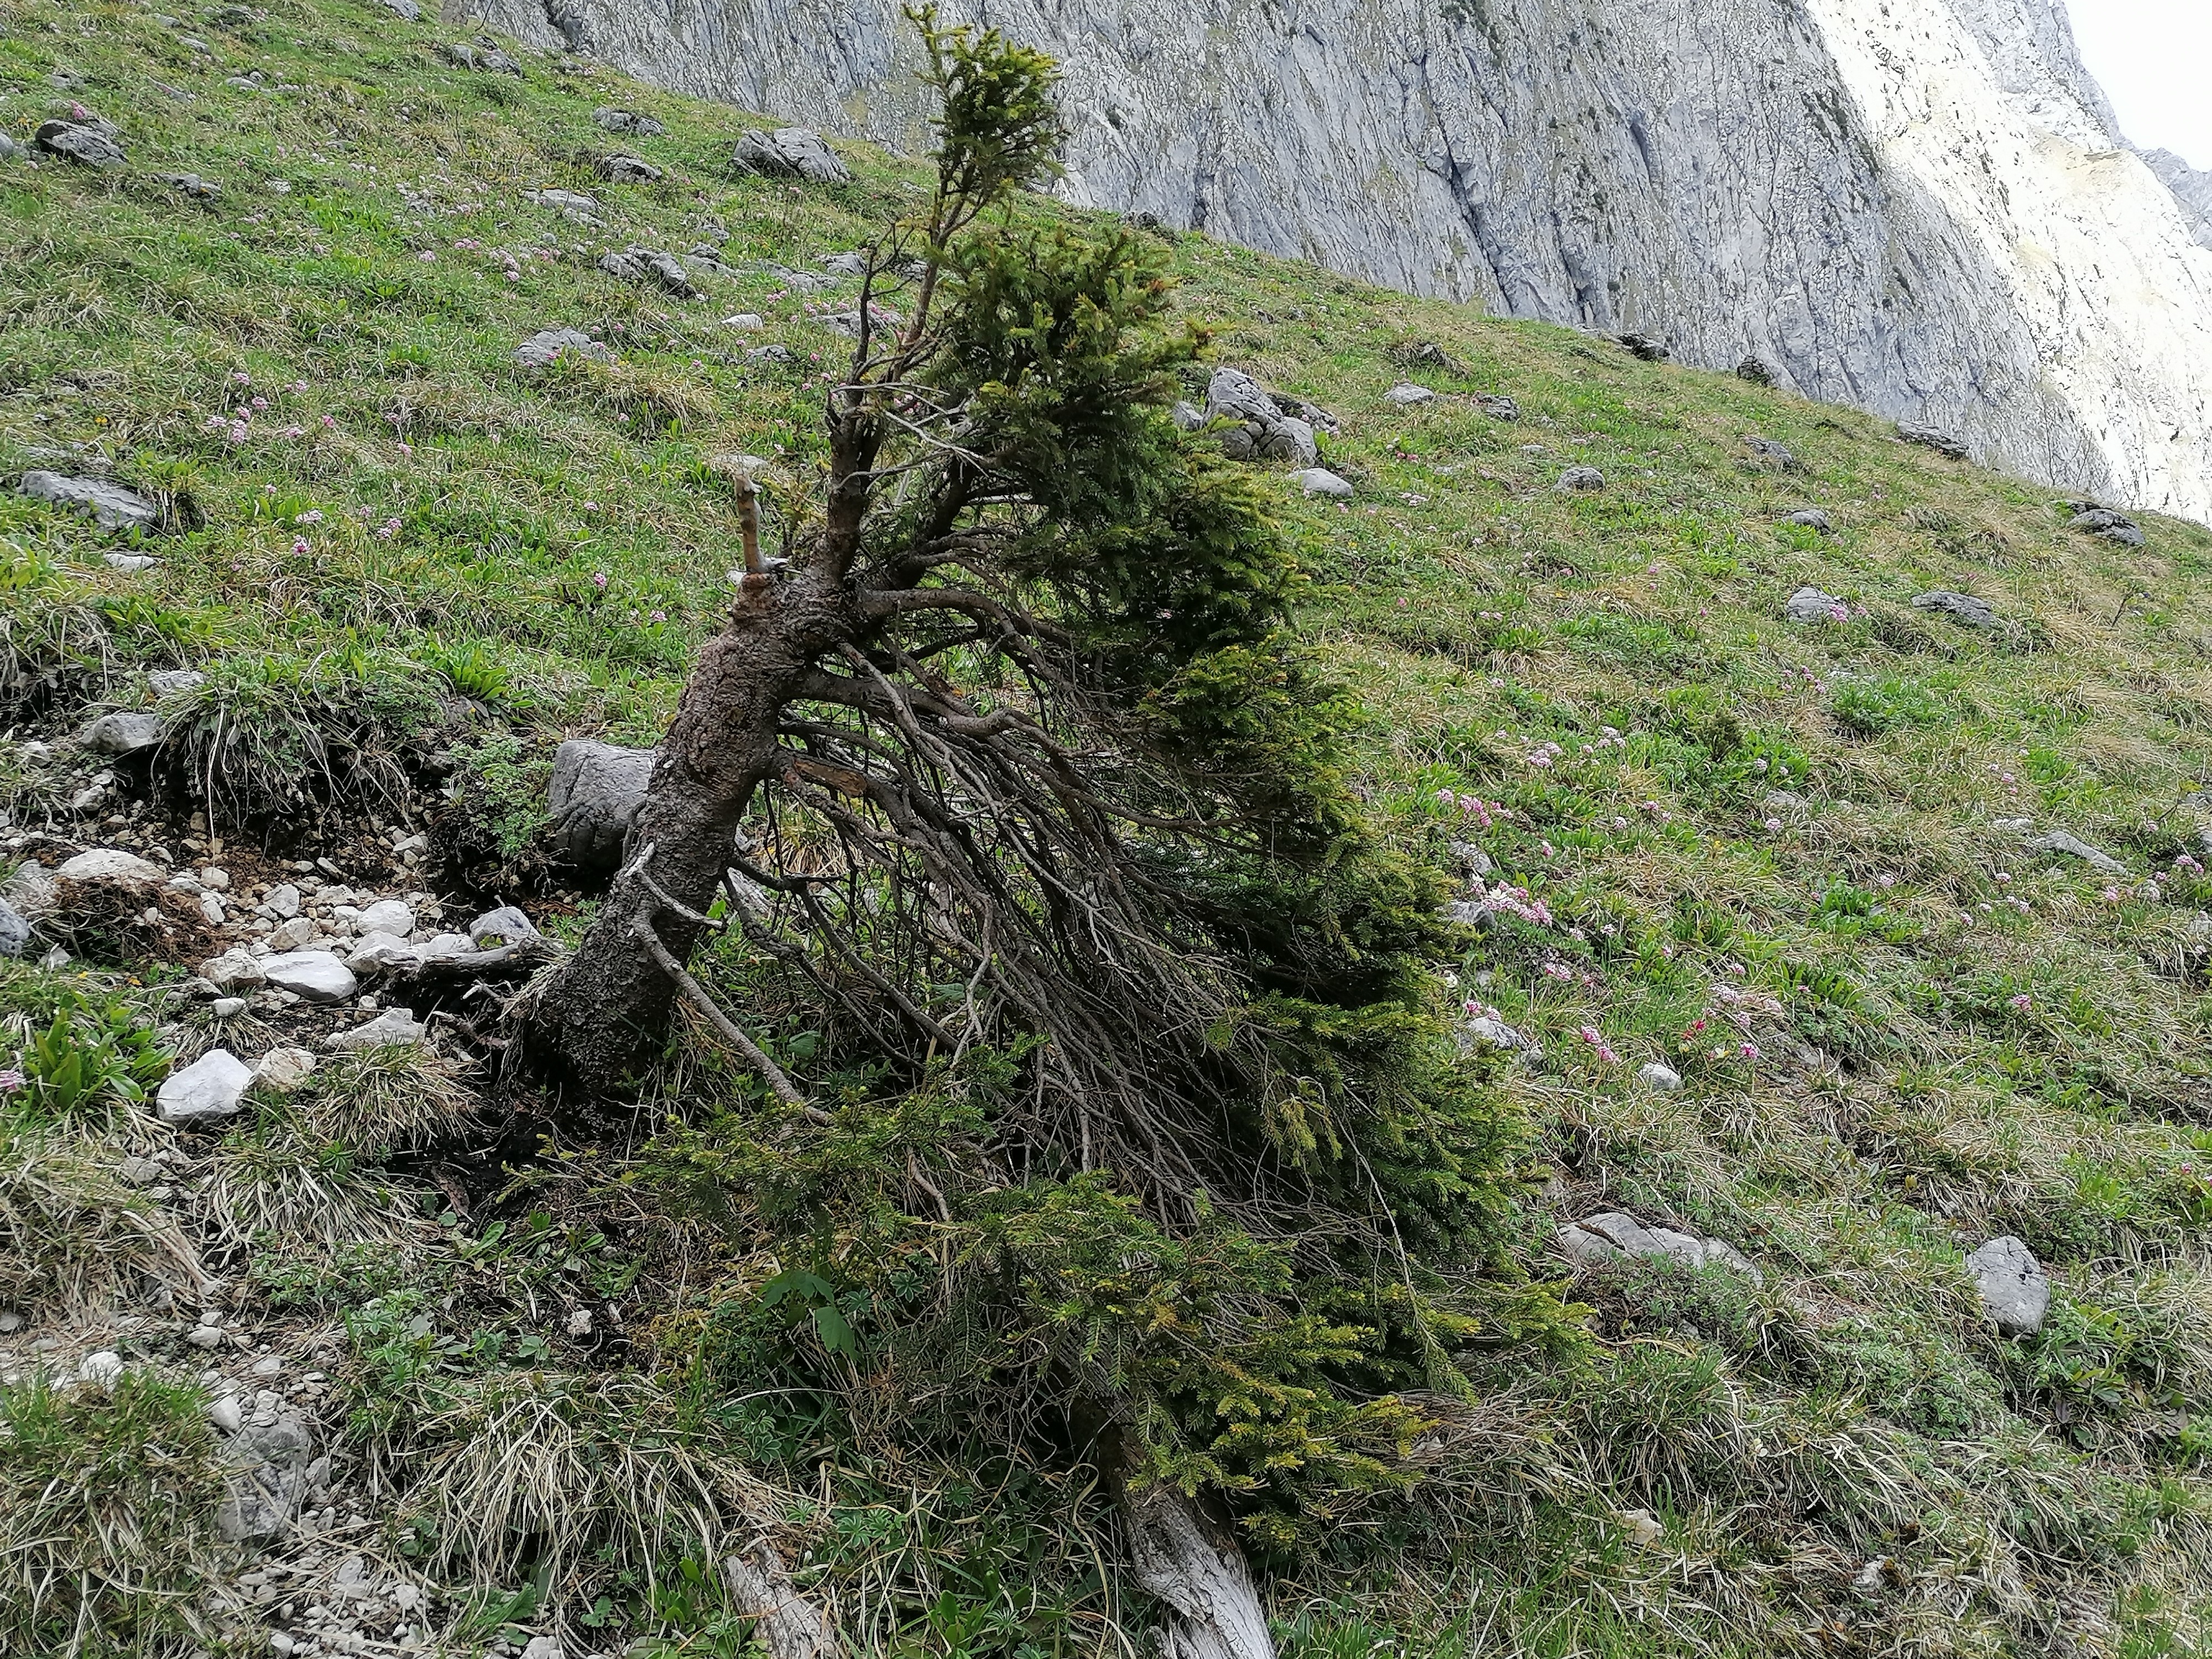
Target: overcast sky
(2155,58)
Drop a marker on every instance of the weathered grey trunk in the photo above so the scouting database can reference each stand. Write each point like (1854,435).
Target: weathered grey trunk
(1198,1573)
(789,1625)
(606,1013)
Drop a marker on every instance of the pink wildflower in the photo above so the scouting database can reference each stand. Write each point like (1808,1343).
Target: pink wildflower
(299,547)
(2022,1003)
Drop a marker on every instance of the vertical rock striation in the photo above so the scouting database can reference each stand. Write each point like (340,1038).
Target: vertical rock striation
(1925,210)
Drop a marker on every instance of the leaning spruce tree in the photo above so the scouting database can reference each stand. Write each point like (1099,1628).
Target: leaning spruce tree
(1168,1154)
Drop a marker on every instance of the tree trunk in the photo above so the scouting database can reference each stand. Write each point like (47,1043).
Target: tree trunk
(789,1625)
(1194,1566)
(605,1014)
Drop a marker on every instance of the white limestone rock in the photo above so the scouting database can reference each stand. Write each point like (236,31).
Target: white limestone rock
(395,1028)
(283,1071)
(211,1087)
(2014,1290)
(311,975)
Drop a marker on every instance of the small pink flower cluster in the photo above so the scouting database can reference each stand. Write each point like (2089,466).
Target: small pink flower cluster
(2021,1004)
(387,530)
(1590,1034)
(1484,814)
(2183,861)
(1514,900)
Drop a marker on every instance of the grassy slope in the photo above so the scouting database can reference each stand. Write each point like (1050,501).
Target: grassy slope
(2011,1046)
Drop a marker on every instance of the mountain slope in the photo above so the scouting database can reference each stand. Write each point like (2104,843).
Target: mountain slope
(1922,211)
(1795,862)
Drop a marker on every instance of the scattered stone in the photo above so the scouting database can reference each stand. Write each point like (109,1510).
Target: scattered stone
(1812,519)
(1583,478)
(211,1087)
(1929,437)
(227,1007)
(269,1462)
(10,1321)
(10,150)
(628,170)
(395,1028)
(2015,1291)
(84,144)
(131,562)
(790,153)
(1404,396)
(770,353)
(1320,480)
(2062,841)
(505,926)
(596,790)
(375,952)
(111,867)
(283,1071)
(101,1368)
(1754,372)
(747,322)
(565,200)
(1481,1029)
(175,682)
(1469,858)
(1497,408)
(312,975)
(385,916)
(1643,1527)
(626,120)
(1654,1075)
(549,346)
(234,971)
(139,1171)
(1772,453)
(1260,430)
(484,59)
(282,903)
(1615,1234)
(1187,416)
(112,507)
(1645,347)
(1810,604)
(121,734)
(644,264)
(1963,609)
(14,930)
(223,1411)
(2112,526)
(191,184)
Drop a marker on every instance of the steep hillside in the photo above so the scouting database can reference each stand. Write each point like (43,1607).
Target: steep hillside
(1925,212)
(1828,822)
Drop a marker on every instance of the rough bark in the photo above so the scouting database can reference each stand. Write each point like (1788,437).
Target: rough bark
(789,1625)
(1190,1561)
(606,1011)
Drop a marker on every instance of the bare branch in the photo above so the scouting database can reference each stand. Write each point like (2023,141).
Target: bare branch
(695,994)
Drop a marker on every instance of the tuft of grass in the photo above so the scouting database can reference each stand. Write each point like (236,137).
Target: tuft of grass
(379,1102)
(74,1240)
(107,1505)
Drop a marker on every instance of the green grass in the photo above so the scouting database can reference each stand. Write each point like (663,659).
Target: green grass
(1955,1036)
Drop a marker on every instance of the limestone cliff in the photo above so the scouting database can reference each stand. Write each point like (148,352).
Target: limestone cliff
(1924,210)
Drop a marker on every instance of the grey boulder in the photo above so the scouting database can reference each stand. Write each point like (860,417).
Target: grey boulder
(484,59)
(112,867)
(1812,519)
(311,975)
(1810,604)
(1929,437)
(790,153)
(628,170)
(2014,1290)
(395,1028)
(1665,1078)
(1320,480)
(1497,408)
(626,120)
(650,266)
(551,345)
(2072,846)
(1581,479)
(2112,526)
(211,1087)
(82,142)
(596,790)
(1615,1234)
(1963,609)
(505,926)
(121,734)
(14,930)
(110,505)
(1766,450)
(271,1463)
(409,10)
(1261,431)
(1407,394)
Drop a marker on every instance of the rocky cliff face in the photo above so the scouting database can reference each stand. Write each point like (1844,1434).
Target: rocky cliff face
(1924,211)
